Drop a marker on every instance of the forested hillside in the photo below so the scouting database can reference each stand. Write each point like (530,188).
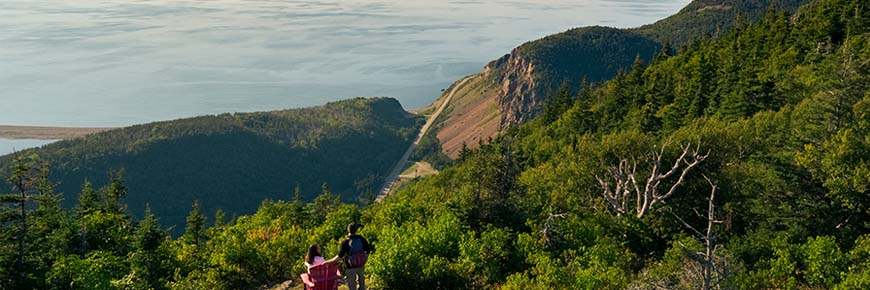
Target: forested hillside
(234,161)
(738,163)
(713,18)
(519,83)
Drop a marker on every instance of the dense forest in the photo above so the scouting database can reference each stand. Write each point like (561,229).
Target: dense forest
(599,52)
(711,18)
(521,81)
(234,161)
(740,162)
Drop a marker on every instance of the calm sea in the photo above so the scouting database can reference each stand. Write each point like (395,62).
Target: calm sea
(122,62)
(9,146)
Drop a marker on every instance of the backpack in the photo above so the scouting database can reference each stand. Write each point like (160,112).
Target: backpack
(357,256)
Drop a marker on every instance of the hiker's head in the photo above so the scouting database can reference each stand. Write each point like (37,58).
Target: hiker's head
(352,228)
(313,251)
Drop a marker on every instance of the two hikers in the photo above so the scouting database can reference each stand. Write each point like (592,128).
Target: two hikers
(354,251)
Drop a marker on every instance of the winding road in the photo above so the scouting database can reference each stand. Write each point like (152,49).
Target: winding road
(393,178)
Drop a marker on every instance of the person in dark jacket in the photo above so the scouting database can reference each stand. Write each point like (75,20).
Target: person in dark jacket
(354,250)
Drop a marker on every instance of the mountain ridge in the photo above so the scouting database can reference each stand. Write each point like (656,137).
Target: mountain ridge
(520,81)
(233,161)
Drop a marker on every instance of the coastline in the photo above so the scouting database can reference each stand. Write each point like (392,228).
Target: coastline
(46,133)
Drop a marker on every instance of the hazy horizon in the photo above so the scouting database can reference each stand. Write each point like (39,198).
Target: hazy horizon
(117,63)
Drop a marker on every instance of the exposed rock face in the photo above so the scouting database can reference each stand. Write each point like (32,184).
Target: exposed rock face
(519,95)
(530,73)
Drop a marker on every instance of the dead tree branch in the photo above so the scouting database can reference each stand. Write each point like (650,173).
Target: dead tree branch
(622,182)
(707,259)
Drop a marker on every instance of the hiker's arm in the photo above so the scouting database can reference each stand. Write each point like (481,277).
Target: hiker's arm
(335,259)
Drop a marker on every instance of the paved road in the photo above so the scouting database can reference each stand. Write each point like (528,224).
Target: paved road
(391,179)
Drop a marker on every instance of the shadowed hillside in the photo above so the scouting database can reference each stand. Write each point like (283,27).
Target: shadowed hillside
(235,161)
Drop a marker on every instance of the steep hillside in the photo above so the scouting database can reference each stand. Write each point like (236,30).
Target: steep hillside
(520,82)
(536,69)
(234,161)
(473,115)
(712,17)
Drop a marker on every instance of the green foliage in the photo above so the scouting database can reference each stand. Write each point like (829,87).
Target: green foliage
(489,258)
(781,106)
(823,261)
(419,256)
(429,150)
(781,119)
(225,157)
(149,267)
(96,271)
(703,18)
(194,231)
(859,272)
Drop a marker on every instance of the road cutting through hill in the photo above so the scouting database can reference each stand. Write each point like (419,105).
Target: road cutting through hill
(393,178)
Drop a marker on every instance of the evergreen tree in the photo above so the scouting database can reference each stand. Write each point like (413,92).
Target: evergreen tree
(27,180)
(322,205)
(115,191)
(89,199)
(147,260)
(554,106)
(194,231)
(298,206)
(52,230)
(464,152)
(103,223)
(700,87)
(219,217)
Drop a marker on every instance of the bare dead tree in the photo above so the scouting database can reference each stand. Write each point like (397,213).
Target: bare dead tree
(707,259)
(622,183)
(549,230)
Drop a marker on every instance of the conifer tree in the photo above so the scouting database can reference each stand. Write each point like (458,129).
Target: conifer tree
(89,199)
(147,258)
(52,229)
(115,191)
(25,180)
(194,231)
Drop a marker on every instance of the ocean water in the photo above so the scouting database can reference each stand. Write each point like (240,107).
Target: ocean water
(123,62)
(11,145)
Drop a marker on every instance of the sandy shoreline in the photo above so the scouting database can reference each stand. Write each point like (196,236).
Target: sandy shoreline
(45,133)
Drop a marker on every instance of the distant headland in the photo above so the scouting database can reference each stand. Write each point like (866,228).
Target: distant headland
(45,133)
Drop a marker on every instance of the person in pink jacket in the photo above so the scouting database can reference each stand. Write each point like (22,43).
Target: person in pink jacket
(314,257)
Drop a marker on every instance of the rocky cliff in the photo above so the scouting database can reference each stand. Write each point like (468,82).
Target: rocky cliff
(518,93)
(535,70)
